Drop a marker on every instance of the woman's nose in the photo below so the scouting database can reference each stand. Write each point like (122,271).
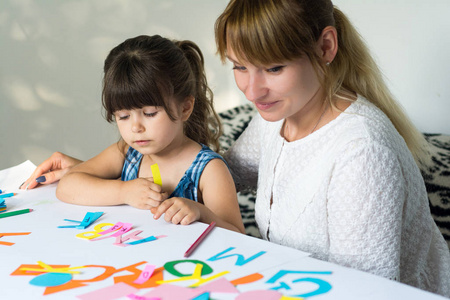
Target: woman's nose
(256,87)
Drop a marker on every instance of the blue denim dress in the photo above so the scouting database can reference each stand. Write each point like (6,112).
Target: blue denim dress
(188,185)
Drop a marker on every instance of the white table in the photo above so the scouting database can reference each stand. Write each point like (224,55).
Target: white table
(285,270)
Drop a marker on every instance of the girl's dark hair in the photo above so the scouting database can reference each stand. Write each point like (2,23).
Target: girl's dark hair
(152,71)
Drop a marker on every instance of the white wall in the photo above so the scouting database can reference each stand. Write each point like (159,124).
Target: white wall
(410,40)
(52,55)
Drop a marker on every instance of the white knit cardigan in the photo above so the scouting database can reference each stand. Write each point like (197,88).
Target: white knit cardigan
(349,193)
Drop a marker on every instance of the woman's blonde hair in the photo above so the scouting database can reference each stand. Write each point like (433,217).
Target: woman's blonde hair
(264,32)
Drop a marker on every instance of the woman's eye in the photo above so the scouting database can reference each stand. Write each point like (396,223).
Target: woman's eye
(239,68)
(275,69)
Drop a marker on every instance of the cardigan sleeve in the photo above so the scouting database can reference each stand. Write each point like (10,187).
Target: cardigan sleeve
(243,157)
(366,197)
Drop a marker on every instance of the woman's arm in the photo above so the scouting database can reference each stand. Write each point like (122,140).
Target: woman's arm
(96,182)
(243,157)
(366,199)
(51,170)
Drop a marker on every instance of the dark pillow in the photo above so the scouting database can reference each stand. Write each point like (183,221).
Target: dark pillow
(437,181)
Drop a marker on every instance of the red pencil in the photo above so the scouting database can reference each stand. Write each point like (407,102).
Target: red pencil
(200,239)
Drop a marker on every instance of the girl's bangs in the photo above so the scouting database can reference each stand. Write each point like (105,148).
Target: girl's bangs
(130,97)
(126,90)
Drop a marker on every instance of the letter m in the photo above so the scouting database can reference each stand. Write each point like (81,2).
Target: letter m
(240,261)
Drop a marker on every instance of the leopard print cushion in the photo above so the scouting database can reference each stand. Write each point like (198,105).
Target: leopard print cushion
(234,121)
(437,182)
(436,175)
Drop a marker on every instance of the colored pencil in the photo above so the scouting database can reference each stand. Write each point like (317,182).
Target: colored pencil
(7,195)
(15,213)
(200,239)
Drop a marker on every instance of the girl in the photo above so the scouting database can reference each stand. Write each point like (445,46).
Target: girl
(156,91)
(333,154)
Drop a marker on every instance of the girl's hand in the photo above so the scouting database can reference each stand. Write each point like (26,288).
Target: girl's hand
(142,193)
(178,211)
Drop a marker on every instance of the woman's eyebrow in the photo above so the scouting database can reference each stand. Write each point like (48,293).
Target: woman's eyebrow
(232,60)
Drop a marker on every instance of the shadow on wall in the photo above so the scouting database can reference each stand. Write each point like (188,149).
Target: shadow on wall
(52,60)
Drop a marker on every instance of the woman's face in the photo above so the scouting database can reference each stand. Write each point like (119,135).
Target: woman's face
(278,91)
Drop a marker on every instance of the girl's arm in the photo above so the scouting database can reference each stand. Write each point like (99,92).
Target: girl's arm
(219,197)
(95,182)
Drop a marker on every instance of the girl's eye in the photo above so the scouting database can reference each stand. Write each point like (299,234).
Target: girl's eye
(239,68)
(121,115)
(150,114)
(275,69)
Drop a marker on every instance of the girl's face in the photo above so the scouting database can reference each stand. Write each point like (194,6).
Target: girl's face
(278,91)
(149,130)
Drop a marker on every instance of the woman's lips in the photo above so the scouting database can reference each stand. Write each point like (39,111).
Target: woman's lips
(265,105)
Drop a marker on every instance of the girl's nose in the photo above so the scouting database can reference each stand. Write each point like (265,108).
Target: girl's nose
(137,126)
(256,87)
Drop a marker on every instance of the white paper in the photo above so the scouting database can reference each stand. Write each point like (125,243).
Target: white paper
(12,178)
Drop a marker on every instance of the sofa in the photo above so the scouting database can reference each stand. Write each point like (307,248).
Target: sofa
(436,175)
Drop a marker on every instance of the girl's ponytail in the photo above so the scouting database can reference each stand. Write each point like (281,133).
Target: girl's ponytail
(203,125)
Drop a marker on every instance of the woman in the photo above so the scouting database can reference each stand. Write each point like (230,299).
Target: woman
(334,158)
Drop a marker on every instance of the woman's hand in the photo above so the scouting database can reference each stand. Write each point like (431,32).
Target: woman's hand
(142,193)
(178,211)
(51,170)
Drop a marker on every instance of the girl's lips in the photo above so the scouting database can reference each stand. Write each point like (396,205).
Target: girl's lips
(265,106)
(142,142)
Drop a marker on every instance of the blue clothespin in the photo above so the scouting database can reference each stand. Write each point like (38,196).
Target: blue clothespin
(89,218)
